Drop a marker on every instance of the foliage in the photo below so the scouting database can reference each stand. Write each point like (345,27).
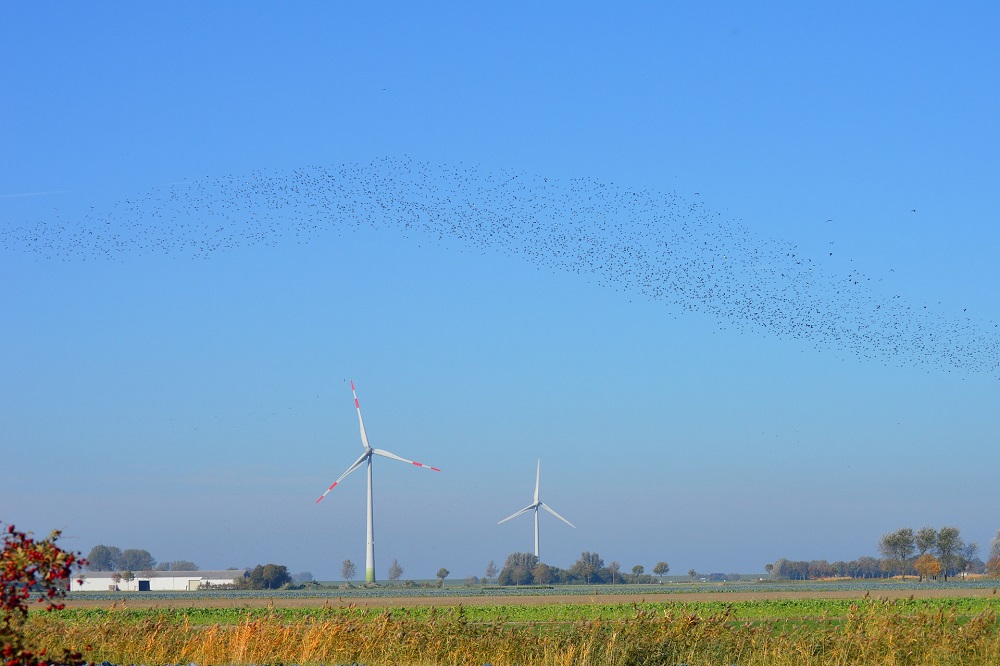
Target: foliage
(442,573)
(949,545)
(265,577)
(925,540)
(136,559)
(177,565)
(993,566)
(927,566)
(897,547)
(29,567)
(589,568)
(104,558)
(661,569)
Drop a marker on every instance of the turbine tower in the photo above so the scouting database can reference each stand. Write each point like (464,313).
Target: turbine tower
(366,458)
(534,506)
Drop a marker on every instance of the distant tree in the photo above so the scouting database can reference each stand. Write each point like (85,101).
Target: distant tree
(116,578)
(615,570)
(395,571)
(927,566)
(136,559)
(897,547)
(692,574)
(949,546)
(637,571)
(995,546)
(471,581)
(178,565)
(517,569)
(491,572)
(993,566)
(128,577)
(303,577)
(925,540)
(542,574)
(348,569)
(269,576)
(104,558)
(661,569)
(442,573)
(967,557)
(769,568)
(588,567)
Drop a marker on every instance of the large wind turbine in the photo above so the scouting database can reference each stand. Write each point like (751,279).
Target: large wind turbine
(366,457)
(534,506)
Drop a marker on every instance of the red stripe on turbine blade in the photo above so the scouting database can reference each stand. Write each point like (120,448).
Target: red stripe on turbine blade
(331,487)
(352,384)
(356,403)
(320,498)
(435,469)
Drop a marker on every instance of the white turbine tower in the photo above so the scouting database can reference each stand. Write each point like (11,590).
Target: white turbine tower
(366,457)
(534,506)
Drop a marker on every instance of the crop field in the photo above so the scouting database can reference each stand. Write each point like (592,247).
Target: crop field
(936,625)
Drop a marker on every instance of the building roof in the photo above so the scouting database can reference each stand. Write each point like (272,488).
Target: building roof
(213,574)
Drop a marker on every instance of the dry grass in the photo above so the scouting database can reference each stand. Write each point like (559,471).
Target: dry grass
(874,632)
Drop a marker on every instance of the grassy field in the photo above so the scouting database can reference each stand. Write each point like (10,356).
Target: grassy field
(819,627)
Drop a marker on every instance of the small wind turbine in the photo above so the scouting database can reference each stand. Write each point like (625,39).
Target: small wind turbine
(534,506)
(366,457)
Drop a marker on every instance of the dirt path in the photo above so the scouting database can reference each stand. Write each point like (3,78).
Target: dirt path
(137,601)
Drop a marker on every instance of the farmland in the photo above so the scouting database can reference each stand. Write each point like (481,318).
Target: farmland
(772,624)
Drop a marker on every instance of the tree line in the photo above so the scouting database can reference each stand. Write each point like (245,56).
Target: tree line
(113,558)
(927,553)
(589,569)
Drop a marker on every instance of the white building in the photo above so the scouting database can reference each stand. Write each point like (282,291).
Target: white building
(153,581)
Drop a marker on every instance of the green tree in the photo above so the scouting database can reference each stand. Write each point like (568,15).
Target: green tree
(517,569)
(542,574)
(269,576)
(897,547)
(615,570)
(637,571)
(949,545)
(587,568)
(135,559)
(442,573)
(348,569)
(661,570)
(104,558)
(395,571)
(692,574)
(128,577)
(925,540)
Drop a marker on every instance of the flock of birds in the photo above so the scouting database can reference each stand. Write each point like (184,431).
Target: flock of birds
(652,244)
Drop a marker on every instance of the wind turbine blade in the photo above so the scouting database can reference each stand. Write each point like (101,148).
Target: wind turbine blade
(386,454)
(515,515)
(552,511)
(357,464)
(538,475)
(364,435)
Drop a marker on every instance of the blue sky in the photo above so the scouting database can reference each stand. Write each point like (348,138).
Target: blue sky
(196,403)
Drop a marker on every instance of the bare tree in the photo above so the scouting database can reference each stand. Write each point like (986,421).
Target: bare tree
(491,571)
(395,571)
(348,569)
(615,569)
